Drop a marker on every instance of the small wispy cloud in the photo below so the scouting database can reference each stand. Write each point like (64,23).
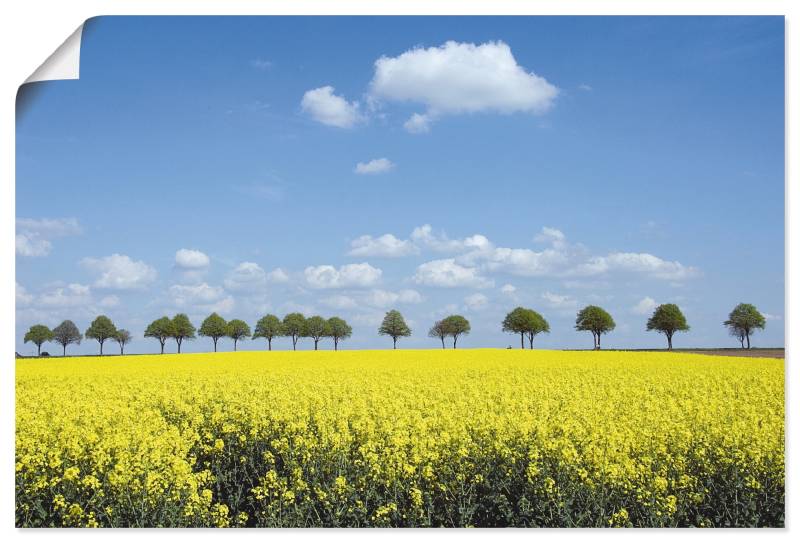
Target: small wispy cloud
(261,64)
(585,87)
(375,166)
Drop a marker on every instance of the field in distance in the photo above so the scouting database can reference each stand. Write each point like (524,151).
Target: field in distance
(483,437)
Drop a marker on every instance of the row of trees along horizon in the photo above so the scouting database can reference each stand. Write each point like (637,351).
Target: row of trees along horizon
(667,319)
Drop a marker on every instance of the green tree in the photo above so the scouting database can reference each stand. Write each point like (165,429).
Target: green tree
(438,330)
(101,329)
(182,328)
(294,325)
(316,328)
(668,319)
(237,329)
(394,325)
(123,337)
(38,334)
(338,329)
(596,320)
(455,326)
(161,329)
(268,327)
(214,327)
(517,321)
(65,334)
(535,325)
(738,333)
(744,320)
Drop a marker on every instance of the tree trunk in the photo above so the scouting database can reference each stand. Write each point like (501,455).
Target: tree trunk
(669,342)
(178,341)
(39,350)
(162,346)
(215,344)
(294,343)
(121,349)
(234,344)
(522,340)
(65,349)
(455,338)
(269,343)
(442,338)
(394,339)
(530,338)
(335,343)
(748,340)
(598,341)
(316,342)
(101,348)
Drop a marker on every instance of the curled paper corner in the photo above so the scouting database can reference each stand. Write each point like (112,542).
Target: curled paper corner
(64,63)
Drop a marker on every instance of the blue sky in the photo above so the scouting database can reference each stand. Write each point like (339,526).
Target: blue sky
(347,166)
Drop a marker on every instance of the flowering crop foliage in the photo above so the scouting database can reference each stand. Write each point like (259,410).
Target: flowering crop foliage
(400,438)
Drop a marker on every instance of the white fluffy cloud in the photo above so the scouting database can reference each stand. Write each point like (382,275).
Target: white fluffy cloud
(426,237)
(110,301)
(278,276)
(120,272)
(386,245)
(447,273)
(374,166)
(460,78)
(645,306)
(203,293)
(349,275)
(418,123)
(72,295)
(476,301)
(643,263)
(246,277)
(479,255)
(27,245)
(339,301)
(553,236)
(201,298)
(33,235)
(191,259)
(385,298)
(508,289)
(559,301)
(22,297)
(327,108)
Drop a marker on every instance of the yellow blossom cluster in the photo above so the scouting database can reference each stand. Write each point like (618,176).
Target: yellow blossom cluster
(400,438)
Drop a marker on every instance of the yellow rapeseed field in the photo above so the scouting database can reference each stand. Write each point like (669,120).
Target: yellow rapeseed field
(400,438)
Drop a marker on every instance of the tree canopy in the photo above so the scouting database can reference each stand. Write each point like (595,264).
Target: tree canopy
(101,329)
(394,325)
(525,322)
(237,329)
(65,334)
(668,319)
(182,328)
(316,328)
(455,326)
(161,329)
(338,329)
(438,330)
(38,334)
(123,337)
(214,327)
(294,325)
(268,327)
(596,320)
(744,320)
